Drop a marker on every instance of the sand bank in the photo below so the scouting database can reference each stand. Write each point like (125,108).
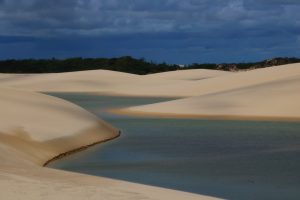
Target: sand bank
(268,94)
(36,128)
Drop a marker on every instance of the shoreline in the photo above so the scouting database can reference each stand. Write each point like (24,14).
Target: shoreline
(111,94)
(79,149)
(126,112)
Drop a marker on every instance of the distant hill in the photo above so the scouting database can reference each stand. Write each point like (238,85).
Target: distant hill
(124,64)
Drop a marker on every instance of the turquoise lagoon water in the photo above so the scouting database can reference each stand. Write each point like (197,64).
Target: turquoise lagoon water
(227,159)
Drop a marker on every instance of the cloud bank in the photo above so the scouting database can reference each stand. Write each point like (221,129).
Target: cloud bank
(171,30)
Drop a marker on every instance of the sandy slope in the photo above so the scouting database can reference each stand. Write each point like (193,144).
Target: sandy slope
(110,82)
(266,93)
(192,75)
(82,81)
(231,81)
(175,83)
(34,128)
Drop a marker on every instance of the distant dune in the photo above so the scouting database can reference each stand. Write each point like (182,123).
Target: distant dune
(262,93)
(192,74)
(178,84)
(225,82)
(82,81)
(109,82)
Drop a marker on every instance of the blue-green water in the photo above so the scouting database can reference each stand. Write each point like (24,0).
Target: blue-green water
(227,159)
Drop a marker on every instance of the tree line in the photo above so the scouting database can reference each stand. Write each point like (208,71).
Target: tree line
(123,64)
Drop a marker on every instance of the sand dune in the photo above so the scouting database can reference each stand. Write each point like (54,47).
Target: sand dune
(264,93)
(193,74)
(178,83)
(82,81)
(35,128)
(110,82)
(231,81)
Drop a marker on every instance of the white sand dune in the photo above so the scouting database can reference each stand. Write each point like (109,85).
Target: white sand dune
(263,93)
(226,82)
(82,81)
(35,128)
(192,74)
(110,82)
(167,84)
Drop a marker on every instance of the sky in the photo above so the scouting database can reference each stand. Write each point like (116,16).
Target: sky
(174,31)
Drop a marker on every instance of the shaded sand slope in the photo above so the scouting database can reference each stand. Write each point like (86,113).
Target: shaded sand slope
(35,128)
(278,96)
(231,81)
(110,82)
(192,74)
(151,86)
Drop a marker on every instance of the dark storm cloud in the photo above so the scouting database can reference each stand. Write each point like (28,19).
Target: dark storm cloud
(94,17)
(195,29)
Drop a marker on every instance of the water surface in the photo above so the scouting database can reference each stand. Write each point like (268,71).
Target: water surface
(227,159)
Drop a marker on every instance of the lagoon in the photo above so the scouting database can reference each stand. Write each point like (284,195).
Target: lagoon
(221,158)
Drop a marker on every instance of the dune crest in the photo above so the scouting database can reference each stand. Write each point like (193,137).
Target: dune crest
(271,93)
(109,82)
(183,83)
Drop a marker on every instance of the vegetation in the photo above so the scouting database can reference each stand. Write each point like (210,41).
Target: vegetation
(122,64)
(245,66)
